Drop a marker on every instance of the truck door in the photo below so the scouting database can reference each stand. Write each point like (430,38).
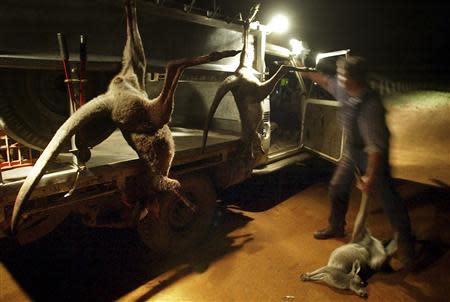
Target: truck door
(285,110)
(321,131)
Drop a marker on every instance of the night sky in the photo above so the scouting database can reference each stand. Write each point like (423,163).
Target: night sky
(399,38)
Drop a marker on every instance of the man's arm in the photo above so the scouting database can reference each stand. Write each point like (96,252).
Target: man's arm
(318,77)
(373,130)
(373,169)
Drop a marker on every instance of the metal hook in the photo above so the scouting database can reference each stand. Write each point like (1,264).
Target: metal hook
(80,169)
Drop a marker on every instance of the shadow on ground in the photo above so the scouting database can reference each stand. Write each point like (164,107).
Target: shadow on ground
(261,193)
(75,263)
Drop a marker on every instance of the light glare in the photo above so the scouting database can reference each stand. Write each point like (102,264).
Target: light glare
(278,24)
(296,46)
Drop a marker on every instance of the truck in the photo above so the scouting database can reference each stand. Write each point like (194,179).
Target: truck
(33,104)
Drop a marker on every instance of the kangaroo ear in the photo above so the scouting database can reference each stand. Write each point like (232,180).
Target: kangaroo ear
(356,267)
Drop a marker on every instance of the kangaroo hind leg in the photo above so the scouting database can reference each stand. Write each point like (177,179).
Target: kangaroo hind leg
(133,59)
(329,275)
(317,275)
(157,152)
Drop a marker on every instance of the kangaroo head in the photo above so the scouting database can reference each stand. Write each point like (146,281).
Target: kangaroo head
(356,284)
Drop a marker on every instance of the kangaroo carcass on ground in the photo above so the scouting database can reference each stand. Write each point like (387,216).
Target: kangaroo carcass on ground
(248,92)
(363,251)
(142,121)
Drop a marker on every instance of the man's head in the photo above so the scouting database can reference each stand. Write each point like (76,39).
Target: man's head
(352,73)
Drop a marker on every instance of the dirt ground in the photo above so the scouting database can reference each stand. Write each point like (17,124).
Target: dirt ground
(260,243)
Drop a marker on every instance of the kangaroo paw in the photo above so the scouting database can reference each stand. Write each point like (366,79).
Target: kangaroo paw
(217,55)
(171,184)
(163,183)
(304,277)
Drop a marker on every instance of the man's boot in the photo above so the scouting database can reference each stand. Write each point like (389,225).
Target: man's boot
(330,232)
(404,257)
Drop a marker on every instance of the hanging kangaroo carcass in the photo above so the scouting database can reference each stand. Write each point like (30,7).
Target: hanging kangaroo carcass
(363,251)
(142,121)
(248,92)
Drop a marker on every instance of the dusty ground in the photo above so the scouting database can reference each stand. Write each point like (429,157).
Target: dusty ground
(419,122)
(259,245)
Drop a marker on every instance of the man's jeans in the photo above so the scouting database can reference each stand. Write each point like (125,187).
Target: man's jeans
(341,186)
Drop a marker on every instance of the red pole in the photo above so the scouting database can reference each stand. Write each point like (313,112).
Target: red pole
(83,59)
(65,58)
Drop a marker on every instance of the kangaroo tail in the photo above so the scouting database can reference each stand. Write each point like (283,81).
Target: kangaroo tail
(226,86)
(360,227)
(89,111)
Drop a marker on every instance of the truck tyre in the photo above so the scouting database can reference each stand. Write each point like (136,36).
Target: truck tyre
(178,228)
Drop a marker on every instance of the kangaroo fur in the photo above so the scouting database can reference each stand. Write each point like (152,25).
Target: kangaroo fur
(248,92)
(363,251)
(142,121)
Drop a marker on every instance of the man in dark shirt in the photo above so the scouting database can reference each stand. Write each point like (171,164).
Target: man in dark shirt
(366,146)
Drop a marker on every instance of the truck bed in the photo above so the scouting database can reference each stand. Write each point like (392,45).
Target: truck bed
(114,158)
(188,144)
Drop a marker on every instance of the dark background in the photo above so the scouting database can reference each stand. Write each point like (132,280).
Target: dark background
(399,38)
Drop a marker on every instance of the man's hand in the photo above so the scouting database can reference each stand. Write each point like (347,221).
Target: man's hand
(365,184)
